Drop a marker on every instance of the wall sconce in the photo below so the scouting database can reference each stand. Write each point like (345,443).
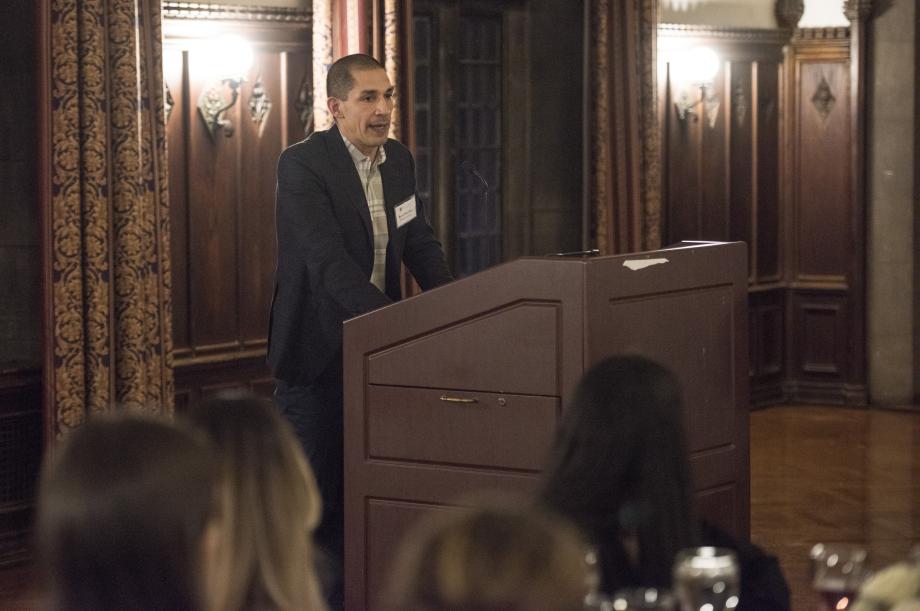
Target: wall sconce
(226,59)
(697,68)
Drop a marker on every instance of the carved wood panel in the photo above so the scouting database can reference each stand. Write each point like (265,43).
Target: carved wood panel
(825,226)
(822,209)
(766,249)
(820,345)
(222,191)
(767,344)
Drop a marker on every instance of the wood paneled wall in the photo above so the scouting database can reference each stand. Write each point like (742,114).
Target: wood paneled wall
(767,159)
(825,224)
(722,162)
(222,193)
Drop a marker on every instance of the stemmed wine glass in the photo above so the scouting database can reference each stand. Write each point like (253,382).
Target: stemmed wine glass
(838,569)
(706,579)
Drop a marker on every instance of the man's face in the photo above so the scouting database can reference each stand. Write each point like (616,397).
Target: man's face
(364,117)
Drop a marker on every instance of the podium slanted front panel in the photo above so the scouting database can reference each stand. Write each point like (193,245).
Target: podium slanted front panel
(514,348)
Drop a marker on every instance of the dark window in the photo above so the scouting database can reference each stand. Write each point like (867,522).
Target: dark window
(478,144)
(458,128)
(424,108)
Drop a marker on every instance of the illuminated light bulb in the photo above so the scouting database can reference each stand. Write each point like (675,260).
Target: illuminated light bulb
(700,65)
(228,57)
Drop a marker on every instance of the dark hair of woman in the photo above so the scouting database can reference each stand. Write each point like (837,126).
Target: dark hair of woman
(619,470)
(122,514)
(270,505)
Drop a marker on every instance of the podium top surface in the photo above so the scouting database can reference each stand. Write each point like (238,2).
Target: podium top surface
(684,264)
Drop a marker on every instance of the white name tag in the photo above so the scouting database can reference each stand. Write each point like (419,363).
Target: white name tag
(405,212)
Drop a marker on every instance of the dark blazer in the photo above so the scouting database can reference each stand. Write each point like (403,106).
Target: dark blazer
(326,254)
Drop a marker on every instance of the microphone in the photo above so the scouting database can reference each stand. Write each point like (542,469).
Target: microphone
(578,253)
(469,167)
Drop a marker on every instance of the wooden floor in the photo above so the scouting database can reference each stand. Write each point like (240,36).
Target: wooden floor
(817,474)
(833,474)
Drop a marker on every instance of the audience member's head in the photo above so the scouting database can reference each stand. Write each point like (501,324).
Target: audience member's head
(894,588)
(619,470)
(269,507)
(491,559)
(123,509)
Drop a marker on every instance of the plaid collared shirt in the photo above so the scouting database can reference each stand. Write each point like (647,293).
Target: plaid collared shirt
(369,173)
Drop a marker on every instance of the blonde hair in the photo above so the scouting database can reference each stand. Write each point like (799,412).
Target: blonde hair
(269,506)
(894,588)
(491,558)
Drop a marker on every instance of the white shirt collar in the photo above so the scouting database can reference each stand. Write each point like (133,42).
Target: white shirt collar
(360,158)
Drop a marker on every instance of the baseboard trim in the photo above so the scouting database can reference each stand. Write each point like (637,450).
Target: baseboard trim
(826,393)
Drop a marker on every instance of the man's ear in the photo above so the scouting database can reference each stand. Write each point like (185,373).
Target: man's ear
(335,107)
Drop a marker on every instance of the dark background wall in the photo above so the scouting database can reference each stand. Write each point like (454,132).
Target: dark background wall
(20,279)
(20,263)
(555,149)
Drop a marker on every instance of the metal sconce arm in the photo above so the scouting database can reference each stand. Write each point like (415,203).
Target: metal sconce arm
(211,106)
(686,107)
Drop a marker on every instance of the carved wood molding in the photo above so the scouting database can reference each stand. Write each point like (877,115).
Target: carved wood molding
(821,34)
(823,99)
(750,35)
(223,12)
(185,361)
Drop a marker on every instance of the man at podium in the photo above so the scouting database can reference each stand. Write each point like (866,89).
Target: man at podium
(348,214)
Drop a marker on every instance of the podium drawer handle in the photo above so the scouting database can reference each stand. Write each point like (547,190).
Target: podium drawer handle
(448,399)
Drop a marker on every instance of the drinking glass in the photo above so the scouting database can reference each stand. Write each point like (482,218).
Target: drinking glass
(838,569)
(645,599)
(706,579)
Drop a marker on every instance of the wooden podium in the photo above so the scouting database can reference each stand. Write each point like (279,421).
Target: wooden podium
(461,388)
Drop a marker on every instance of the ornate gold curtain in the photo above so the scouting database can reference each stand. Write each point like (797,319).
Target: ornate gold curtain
(110,326)
(625,175)
(393,33)
(322,60)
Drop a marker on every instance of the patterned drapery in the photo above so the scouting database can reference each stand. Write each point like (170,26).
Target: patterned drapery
(322,60)
(625,185)
(109,294)
(391,59)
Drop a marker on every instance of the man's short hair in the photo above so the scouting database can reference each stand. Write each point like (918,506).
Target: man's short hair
(339,81)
